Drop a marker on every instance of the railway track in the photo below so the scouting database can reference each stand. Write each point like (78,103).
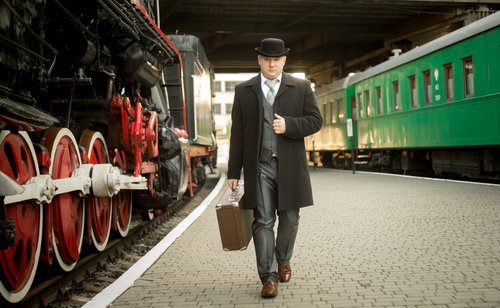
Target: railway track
(95,271)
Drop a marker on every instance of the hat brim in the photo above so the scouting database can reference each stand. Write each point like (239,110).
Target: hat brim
(284,53)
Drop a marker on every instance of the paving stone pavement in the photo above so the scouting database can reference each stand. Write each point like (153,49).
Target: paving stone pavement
(370,241)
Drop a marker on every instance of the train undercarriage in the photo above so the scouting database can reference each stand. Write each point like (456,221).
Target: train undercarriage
(472,163)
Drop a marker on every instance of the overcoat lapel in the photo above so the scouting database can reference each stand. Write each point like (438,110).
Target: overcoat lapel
(257,89)
(285,83)
(283,87)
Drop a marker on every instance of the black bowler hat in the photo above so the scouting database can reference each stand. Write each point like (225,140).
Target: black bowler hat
(272,47)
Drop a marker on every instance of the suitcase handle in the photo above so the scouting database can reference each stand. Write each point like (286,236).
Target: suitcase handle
(232,197)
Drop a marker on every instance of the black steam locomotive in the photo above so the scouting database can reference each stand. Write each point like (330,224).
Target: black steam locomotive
(98,107)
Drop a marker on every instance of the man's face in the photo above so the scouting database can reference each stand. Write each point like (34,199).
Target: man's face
(271,67)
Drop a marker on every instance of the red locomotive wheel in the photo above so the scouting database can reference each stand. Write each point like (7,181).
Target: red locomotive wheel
(100,209)
(69,208)
(122,211)
(18,263)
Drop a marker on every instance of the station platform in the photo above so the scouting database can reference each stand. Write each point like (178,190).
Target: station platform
(371,240)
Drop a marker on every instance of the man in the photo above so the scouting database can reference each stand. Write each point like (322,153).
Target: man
(272,113)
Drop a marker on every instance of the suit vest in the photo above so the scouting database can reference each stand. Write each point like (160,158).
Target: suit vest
(269,138)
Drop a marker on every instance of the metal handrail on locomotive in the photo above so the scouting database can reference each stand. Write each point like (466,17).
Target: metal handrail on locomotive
(434,109)
(95,112)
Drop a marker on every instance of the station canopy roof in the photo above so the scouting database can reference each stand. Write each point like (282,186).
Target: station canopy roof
(322,34)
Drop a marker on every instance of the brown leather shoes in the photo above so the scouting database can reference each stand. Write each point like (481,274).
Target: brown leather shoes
(269,289)
(284,273)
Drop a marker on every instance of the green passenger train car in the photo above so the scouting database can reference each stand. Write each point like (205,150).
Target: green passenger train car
(436,106)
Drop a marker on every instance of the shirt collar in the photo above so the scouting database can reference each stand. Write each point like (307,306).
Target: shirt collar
(263,79)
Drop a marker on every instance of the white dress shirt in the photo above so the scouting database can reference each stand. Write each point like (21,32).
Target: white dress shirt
(265,87)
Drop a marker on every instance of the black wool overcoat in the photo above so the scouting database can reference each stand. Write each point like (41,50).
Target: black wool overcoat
(296,103)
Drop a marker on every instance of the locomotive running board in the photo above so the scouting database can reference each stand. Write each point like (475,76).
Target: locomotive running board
(100,180)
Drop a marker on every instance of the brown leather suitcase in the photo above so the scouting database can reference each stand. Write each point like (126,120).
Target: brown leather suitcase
(235,223)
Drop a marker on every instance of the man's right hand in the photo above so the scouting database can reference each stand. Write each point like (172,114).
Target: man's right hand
(232,183)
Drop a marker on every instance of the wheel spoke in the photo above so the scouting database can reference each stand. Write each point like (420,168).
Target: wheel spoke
(9,264)
(23,174)
(98,150)
(22,257)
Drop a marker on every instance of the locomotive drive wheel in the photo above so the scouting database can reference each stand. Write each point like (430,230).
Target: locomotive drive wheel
(68,209)
(122,211)
(18,263)
(99,210)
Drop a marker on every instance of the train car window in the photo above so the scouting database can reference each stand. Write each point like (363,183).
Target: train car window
(230,85)
(341,109)
(368,103)
(334,111)
(395,95)
(327,112)
(218,86)
(427,88)
(322,111)
(468,77)
(354,109)
(217,109)
(360,104)
(378,92)
(229,108)
(448,79)
(413,91)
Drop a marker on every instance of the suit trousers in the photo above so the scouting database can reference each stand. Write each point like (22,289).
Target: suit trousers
(270,251)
